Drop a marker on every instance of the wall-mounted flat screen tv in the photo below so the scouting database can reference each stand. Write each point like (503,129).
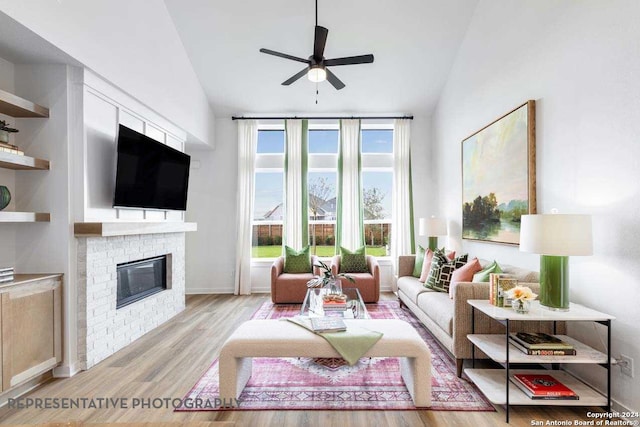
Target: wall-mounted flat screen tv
(149,174)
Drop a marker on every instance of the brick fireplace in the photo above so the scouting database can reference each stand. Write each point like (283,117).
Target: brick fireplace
(104,329)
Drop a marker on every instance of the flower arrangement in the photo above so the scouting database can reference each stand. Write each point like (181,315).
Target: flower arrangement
(327,276)
(522,297)
(521,293)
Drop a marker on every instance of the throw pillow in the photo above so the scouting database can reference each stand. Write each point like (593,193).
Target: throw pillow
(442,269)
(426,265)
(464,274)
(353,261)
(296,262)
(417,266)
(483,276)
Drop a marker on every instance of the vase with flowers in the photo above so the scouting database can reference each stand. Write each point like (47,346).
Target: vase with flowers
(521,297)
(327,280)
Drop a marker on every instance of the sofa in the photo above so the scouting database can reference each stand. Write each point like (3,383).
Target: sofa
(449,319)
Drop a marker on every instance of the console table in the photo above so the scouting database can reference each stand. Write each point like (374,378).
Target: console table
(495,383)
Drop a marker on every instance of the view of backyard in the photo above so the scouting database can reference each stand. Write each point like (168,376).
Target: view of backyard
(322,251)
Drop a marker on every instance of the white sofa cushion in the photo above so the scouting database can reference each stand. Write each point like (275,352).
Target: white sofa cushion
(411,287)
(439,307)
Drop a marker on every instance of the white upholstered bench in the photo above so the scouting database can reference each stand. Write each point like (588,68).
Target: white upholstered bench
(279,338)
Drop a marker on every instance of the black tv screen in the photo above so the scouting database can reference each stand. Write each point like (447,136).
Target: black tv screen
(149,174)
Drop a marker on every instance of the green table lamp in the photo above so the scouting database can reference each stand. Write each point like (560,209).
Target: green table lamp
(433,227)
(555,237)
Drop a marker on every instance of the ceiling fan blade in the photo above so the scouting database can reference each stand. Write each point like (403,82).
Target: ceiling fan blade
(350,60)
(335,82)
(319,42)
(284,55)
(295,77)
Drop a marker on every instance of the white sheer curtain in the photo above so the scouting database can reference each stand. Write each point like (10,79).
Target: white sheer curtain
(402,239)
(296,220)
(247,144)
(350,233)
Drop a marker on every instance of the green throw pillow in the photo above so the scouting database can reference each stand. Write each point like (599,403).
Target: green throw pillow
(297,261)
(417,266)
(353,262)
(483,276)
(442,269)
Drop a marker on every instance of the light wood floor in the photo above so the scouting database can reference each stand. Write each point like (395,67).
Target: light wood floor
(168,361)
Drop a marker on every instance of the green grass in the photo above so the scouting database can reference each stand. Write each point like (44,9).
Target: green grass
(321,251)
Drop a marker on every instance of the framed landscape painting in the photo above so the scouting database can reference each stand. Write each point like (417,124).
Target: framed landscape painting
(499,177)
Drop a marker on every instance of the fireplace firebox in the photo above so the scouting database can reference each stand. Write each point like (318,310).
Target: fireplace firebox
(140,279)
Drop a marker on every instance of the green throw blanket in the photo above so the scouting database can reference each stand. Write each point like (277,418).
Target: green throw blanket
(352,344)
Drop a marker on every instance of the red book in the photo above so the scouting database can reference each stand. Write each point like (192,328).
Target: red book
(544,386)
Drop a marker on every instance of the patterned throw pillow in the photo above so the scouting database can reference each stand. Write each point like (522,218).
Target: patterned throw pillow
(417,266)
(297,261)
(353,262)
(442,269)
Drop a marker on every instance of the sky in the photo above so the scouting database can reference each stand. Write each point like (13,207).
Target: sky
(269,185)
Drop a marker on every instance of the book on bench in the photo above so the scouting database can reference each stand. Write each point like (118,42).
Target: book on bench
(328,324)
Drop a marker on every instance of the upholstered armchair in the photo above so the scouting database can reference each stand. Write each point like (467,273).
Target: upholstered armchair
(289,287)
(367,283)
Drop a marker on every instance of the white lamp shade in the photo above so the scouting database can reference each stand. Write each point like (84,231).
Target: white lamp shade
(432,227)
(556,234)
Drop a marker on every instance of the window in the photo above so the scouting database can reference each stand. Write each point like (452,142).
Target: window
(322,212)
(323,141)
(270,141)
(268,205)
(377,188)
(324,138)
(377,141)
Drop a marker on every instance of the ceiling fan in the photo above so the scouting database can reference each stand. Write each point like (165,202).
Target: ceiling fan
(316,69)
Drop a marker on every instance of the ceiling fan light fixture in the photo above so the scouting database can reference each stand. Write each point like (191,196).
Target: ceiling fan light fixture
(317,74)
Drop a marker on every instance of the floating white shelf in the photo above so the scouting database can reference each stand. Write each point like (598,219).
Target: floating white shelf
(20,162)
(108,229)
(16,217)
(14,106)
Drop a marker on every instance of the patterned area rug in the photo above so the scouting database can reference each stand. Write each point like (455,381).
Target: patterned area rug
(324,384)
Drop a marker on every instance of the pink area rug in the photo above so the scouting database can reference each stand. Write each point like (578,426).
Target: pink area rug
(325,384)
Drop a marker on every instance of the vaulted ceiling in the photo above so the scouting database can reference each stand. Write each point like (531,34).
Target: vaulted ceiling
(414,43)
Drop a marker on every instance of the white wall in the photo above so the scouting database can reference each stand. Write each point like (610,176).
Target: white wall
(211,252)
(422,174)
(580,62)
(144,57)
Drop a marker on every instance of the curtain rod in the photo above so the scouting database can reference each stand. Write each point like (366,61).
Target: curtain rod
(322,118)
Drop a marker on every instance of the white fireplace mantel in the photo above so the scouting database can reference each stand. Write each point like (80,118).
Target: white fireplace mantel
(109,229)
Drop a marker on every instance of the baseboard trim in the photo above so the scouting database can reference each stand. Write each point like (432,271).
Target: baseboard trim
(66,371)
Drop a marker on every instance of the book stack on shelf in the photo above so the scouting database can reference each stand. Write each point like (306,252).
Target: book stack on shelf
(543,387)
(541,344)
(6,274)
(10,148)
(334,303)
(499,284)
